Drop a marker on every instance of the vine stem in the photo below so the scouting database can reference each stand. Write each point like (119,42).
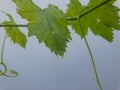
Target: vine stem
(2,51)
(3,73)
(91,56)
(14,25)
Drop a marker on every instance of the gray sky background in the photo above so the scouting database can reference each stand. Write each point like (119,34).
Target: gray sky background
(39,69)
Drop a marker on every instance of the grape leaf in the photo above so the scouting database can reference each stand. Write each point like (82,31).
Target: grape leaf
(101,16)
(49,25)
(74,9)
(14,33)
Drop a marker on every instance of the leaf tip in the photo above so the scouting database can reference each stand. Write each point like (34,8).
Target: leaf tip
(60,56)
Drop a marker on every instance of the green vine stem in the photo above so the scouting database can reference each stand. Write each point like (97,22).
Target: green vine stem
(3,71)
(12,25)
(91,56)
(3,45)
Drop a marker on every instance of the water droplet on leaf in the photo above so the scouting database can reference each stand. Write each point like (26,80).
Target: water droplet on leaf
(60,57)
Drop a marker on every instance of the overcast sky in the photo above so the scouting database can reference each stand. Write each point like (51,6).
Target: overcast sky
(39,69)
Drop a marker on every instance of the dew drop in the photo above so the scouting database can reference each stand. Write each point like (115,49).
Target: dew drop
(60,57)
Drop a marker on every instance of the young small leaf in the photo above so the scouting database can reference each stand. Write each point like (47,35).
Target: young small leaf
(14,33)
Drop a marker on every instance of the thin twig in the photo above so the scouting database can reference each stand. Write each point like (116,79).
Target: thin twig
(4,73)
(2,51)
(91,56)
(14,25)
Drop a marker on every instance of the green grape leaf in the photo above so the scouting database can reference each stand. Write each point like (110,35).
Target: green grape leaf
(49,25)
(73,11)
(14,33)
(101,16)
